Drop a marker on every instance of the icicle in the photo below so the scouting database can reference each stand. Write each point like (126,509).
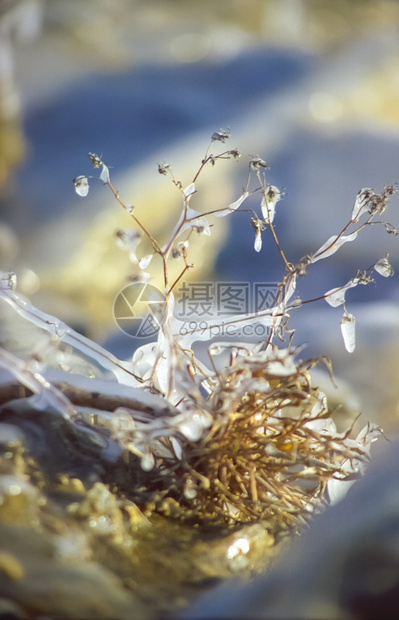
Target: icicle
(45,395)
(348,331)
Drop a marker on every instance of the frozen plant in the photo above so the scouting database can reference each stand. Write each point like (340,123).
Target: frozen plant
(248,440)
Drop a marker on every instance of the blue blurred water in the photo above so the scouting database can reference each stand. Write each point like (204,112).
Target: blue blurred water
(128,115)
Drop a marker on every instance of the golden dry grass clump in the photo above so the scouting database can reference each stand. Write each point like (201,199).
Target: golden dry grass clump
(270,451)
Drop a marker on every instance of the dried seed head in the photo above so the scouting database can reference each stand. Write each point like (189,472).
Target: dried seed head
(378,203)
(95,160)
(221,136)
(163,168)
(235,153)
(256,163)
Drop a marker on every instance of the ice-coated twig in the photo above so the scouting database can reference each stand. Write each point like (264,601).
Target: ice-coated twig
(46,395)
(122,370)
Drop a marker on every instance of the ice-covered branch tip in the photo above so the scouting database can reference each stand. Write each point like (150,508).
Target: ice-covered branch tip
(348,331)
(368,201)
(383,267)
(122,370)
(221,136)
(257,163)
(82,182)
(82,186)
(28,373)
(336,296)
(258,225)
(270,198)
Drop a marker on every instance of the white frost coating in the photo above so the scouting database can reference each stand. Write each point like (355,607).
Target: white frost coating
(54,326)
(45,394)
(332,245)
(232,207)
(348,331)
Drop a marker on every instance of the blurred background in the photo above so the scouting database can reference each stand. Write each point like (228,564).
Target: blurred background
(312,87)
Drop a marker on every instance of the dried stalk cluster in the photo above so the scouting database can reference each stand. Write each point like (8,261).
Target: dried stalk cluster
(269,454)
